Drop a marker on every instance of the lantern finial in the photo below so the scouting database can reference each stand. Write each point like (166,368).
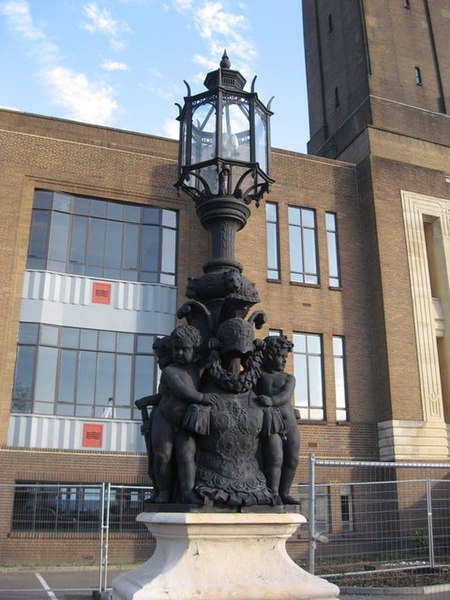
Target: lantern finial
(225,63)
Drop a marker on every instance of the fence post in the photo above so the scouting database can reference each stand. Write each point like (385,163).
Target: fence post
(430,524)
(312,513)
(108,511)
(102,539)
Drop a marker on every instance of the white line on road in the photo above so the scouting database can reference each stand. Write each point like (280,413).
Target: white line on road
(46,586)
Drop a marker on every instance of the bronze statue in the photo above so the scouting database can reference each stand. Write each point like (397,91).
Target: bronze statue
(282,445)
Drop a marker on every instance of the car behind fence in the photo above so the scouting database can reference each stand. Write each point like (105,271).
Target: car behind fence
(363,518)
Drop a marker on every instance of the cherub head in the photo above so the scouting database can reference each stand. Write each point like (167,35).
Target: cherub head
(162,347)
(185,341)
(276,352)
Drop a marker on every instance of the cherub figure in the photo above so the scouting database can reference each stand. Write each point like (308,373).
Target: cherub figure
(162,348)
(275,389)
(173,424)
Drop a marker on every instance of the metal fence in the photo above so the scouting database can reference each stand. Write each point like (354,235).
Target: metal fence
(377,517)
(363,517)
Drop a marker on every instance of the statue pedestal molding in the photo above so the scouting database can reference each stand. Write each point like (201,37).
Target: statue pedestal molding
(221,556)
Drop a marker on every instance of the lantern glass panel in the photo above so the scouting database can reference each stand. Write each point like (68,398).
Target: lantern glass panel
(203,131)
(261,139)
(183,142)
(235,129)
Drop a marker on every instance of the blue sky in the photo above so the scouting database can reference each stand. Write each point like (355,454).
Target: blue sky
(121,63)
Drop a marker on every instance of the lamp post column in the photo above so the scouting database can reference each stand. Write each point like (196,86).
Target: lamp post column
(223,217)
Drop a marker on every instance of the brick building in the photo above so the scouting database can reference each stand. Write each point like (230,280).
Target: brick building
(350,254)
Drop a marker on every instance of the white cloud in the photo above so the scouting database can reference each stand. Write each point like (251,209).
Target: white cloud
(82,99)
(220,28)
(101,21)
(112,65)
(18,14)
(171,129)
(182,5)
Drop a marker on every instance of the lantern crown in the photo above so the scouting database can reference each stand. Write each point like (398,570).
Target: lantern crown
(224,139)
(225,77)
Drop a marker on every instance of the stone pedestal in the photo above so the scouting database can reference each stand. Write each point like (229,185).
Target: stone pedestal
(221,556)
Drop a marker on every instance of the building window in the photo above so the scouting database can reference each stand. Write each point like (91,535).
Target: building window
(330,23)
(71,507)
(406,4)
(273,256)
(308,370)
(99,238)
(346,508)
(303,245)
(275,332)
(84,373)
(339,379)
(322,520)
(333,250)
(418,75)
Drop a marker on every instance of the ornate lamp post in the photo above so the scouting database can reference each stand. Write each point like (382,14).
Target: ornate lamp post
(223,400)
(224,157)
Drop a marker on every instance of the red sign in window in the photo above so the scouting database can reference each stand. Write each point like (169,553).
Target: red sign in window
(101,293)
(92,435)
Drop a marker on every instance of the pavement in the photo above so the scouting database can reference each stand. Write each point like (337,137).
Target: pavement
(79,584)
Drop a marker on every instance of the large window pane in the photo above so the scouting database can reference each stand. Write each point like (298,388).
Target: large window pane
(105,379)
(61,202)
(169,218)
(301,378)
(46,374)
(59,236)
(39,235)
(339,378)
(303,245)
(67,376)
(113,246)
(86,378)
(315,381)
(123,380)
(86,373)
(23,382)
(296,254)
(143,377)
(106,238)
(130,248)
(308,369)
(107,341)
(310,251)
(49,335)
(150,248)
(78,240)
(169,240)
(273,271)
(28,333)
(333,254)
(96,242)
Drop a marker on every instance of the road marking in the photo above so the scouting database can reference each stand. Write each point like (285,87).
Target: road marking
(46,586)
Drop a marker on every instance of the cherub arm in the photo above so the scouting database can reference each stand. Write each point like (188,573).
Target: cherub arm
(284,395)
(183,387)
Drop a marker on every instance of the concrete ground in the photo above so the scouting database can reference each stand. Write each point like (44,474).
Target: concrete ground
(79,584)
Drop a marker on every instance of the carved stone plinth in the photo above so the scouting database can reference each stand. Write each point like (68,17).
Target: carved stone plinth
(221,556)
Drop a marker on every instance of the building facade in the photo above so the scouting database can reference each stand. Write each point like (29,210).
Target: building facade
(350,254)
(379,92)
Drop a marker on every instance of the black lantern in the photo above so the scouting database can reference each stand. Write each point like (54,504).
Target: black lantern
(224,139)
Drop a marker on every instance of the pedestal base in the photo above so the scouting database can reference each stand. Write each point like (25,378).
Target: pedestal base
(221,556)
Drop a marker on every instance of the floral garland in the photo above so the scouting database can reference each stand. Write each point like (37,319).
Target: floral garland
(232,382)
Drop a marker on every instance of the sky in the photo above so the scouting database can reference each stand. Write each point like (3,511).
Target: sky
(121,63)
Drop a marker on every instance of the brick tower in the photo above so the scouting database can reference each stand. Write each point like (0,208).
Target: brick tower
(379,94)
